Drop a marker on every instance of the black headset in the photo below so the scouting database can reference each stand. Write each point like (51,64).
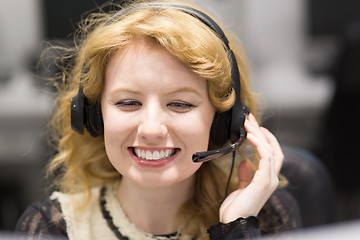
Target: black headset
(228,125)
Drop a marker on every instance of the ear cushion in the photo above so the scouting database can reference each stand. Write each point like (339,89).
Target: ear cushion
(77,112)
(220,128)
(88,114)
(237,122)
(94,121)
(229,125)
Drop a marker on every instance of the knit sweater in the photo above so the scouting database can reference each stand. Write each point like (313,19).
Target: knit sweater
(58,217)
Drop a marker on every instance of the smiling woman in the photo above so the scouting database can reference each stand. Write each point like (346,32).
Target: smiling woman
(157,82)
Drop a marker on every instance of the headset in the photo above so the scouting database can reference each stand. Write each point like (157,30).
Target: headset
(228,125)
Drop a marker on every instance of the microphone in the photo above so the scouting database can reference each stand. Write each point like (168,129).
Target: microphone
(210,155)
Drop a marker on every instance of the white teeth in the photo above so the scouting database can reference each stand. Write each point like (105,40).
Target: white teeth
(156,155)
(149,155)
(161,154)
(137,151)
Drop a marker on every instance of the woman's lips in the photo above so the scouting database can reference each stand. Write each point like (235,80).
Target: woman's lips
(153,157)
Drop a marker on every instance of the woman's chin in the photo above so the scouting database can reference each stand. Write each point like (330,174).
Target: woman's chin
(157,179)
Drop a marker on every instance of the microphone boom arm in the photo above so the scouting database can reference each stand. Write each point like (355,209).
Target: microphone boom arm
(209,155)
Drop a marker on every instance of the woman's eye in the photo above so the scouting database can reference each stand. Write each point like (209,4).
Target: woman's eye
(128,105)
(181,106)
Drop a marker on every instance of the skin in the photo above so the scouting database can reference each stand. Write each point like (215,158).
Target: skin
(153,102)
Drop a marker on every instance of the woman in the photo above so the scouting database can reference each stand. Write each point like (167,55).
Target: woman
(152,80)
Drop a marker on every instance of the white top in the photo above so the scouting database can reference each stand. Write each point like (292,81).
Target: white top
(90,223)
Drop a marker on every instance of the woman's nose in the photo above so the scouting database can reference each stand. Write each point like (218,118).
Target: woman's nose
(153,126)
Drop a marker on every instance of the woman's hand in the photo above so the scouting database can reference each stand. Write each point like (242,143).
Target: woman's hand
(254,191)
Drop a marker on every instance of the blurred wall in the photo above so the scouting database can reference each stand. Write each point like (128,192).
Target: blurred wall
(23,109)
(21,31)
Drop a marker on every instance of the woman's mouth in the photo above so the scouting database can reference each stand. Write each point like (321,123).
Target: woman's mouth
(154,154)
(153,157)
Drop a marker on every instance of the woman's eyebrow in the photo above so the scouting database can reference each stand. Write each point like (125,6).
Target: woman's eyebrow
(170,92)
(185,89)
(124,89)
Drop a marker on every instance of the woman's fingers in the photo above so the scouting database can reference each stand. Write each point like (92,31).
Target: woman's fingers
(269,150)
(278,153)
(257,138)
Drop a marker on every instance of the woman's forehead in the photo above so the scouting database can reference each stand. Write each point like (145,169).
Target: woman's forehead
(143,63)
(140,56)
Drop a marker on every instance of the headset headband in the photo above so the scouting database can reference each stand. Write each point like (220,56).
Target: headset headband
(189,10)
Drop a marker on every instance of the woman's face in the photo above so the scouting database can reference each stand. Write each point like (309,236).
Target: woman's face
(156,114)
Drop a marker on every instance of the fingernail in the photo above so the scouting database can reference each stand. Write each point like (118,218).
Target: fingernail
(252,117)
